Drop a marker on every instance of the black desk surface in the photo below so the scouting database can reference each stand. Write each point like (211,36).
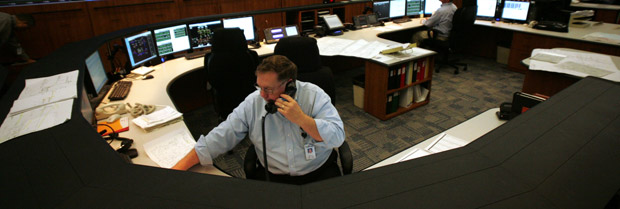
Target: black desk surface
(562,153)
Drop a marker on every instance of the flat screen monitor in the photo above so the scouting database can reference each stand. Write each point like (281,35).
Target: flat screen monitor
(515,10)
(171,39)
(431,6)
(382,9)
(397,8)
(96,73)
(291,30)
(333,22)
(140,48)
(414,7)
(200,34)
(486,8)
(244,23)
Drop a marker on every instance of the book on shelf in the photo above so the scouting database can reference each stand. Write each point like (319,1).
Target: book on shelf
(403,75)
(388,105)
(392,103)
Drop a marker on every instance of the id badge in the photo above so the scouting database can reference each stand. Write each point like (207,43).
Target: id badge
(310,152)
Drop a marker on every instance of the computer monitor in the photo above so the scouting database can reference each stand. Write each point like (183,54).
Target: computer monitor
(397,8)
(431,6)
(244,23)
(140,48)
(515,10)
(291,30)
(414,7)
(200,34)
(486,8)
(382,9)
(97,77)
(171,39)
(333,22)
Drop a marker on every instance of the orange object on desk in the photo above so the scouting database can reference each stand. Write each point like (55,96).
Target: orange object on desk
(119,125)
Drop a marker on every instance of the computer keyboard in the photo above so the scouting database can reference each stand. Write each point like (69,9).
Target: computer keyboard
(120,91)
(196,54)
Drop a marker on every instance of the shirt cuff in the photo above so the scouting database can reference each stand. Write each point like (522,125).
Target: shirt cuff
(203,153)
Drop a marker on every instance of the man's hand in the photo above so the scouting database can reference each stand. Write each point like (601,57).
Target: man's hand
(290,109)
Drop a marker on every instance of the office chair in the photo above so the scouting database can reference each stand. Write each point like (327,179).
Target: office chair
(344,154)
(304,52)
(230,70)
(462,24)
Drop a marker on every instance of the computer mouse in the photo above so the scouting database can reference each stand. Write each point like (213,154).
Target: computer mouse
(113,118)
(148,77)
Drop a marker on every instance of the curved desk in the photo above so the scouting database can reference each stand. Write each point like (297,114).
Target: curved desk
(561,153)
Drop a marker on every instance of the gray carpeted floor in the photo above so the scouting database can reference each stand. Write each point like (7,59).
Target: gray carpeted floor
(454,99)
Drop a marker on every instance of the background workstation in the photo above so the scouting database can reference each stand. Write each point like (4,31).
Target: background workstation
(496,171)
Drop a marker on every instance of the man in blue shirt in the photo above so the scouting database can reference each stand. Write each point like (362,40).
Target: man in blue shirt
(441,20)
(300,136)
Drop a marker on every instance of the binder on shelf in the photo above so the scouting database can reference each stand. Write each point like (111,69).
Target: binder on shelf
(409,73)
(403,74)
(395,102)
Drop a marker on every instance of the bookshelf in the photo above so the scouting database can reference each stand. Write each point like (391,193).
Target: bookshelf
(307,19)
(380,86)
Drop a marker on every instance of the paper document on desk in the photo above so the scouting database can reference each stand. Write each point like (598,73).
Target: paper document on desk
(580,64)
(46,90)
(445,142)
(415,153)
(157,118)
(167,150)
(603,37)
(36,119)
(329,46)
(142,70)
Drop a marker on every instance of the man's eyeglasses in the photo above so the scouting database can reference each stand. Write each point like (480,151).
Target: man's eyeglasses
(267,90)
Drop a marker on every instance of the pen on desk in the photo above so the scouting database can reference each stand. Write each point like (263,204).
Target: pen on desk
(436,141)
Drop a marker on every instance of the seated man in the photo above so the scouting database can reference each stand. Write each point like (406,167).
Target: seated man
(300,136)
(441,20)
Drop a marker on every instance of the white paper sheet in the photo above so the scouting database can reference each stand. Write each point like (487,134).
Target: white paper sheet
(45,90)
(445,142)
(578,64)
(167,150)
(36,119)
(415,153)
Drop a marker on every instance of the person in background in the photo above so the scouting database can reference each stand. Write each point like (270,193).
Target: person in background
(441,20)
(8,40)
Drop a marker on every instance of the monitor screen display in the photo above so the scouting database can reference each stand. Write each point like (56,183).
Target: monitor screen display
(382,9)
(140,48)
(333,22)
(486,8)
(96,72)
(431,6)
(244,23)
(414,7)
(397,8)
(171,39)
(200,34)
(291,30)
(515,10)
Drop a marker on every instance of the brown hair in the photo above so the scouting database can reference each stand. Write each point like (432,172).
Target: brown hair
(279,64)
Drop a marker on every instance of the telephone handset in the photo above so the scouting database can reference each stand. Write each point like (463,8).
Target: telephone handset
(105,111)
(290,90)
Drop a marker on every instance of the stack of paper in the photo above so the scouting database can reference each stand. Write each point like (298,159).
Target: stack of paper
(44,103)
(576,63)
(157,119)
